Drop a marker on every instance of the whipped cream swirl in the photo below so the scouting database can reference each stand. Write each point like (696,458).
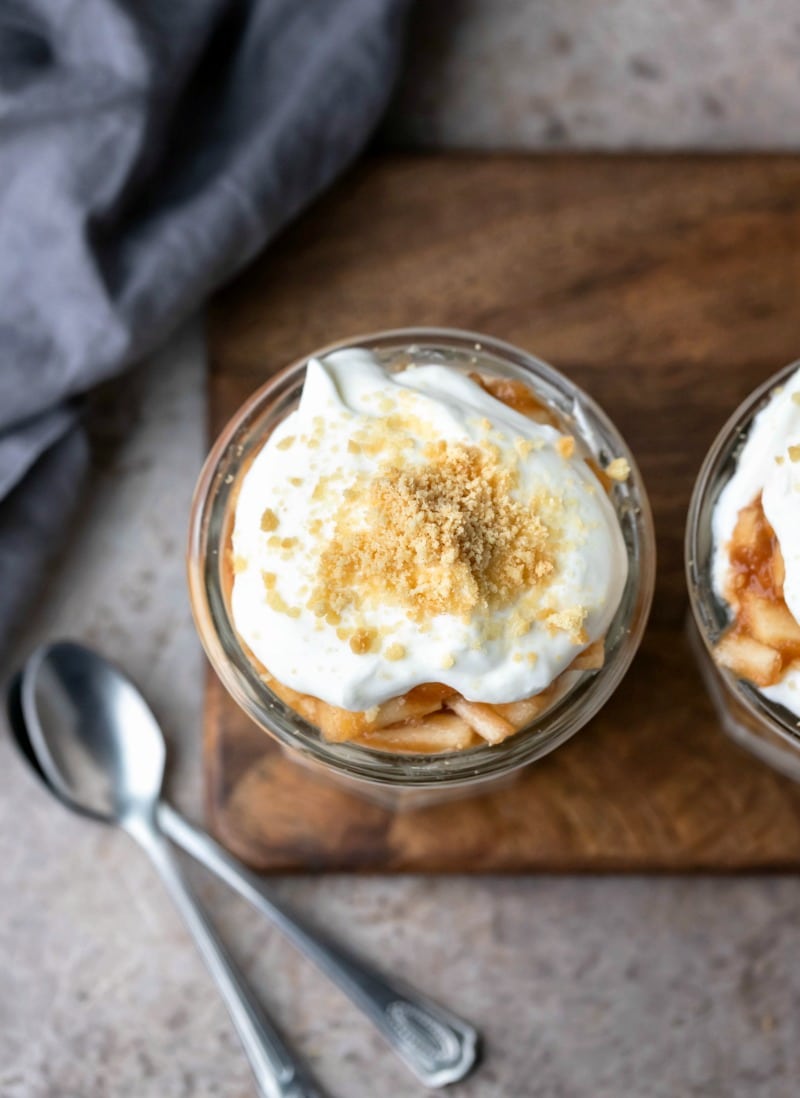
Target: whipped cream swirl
(291,498)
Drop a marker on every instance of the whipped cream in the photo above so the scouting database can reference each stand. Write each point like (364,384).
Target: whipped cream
(286,513)
(765,466)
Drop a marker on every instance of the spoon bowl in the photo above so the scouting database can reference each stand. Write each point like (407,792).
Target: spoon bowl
(92,732)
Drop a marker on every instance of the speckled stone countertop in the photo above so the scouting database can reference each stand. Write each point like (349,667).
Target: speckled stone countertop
(656,74)
(584,987)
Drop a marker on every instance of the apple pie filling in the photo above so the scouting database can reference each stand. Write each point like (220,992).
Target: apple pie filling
(756,528)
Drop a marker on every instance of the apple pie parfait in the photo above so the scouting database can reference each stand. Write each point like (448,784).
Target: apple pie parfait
(420,559)
(743,562)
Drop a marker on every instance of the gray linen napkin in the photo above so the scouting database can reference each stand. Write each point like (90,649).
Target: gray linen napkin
(148,148)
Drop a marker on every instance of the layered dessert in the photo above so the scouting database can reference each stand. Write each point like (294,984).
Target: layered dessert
(421,560)
(756,561)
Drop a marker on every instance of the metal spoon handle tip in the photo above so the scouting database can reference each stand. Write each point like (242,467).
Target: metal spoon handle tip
(276,1071)
(435,1044)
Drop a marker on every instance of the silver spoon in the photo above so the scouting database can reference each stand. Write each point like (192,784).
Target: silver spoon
(119,783)
(91,735)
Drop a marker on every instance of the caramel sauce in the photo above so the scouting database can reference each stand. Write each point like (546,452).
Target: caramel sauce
(755,556)
(516,394)
(755,588)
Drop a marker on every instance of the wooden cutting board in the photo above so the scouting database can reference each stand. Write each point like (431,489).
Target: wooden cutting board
(668,288)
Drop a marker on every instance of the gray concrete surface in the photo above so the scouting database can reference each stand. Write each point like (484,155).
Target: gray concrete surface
(584,987)
(663,74)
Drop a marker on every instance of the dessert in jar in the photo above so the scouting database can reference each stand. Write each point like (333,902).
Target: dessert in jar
(743,572)
(421,558)
(416,561)
(756,565)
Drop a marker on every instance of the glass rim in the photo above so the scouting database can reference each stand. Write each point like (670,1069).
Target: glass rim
(731,436)
(557,724)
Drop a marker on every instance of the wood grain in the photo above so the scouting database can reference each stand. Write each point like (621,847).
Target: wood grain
(667,287)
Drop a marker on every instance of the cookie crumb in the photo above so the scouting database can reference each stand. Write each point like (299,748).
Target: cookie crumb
(443,537)
(269,521)
(363,641)
(566,446)
(618,470)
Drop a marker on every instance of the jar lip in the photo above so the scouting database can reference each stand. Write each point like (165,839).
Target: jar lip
(731,435)
(458,768)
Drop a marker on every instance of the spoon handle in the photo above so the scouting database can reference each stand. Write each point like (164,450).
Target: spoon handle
(438,1046)
(277,1073)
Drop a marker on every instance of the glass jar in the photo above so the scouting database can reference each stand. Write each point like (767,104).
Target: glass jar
(402,778)
(763,727)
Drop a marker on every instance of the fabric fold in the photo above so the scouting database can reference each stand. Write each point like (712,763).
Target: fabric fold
(148,151)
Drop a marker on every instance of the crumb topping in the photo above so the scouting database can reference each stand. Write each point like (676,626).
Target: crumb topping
(569,621)
(269,521)
(618,470)
(363,641)
(566,446)
(442,536)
